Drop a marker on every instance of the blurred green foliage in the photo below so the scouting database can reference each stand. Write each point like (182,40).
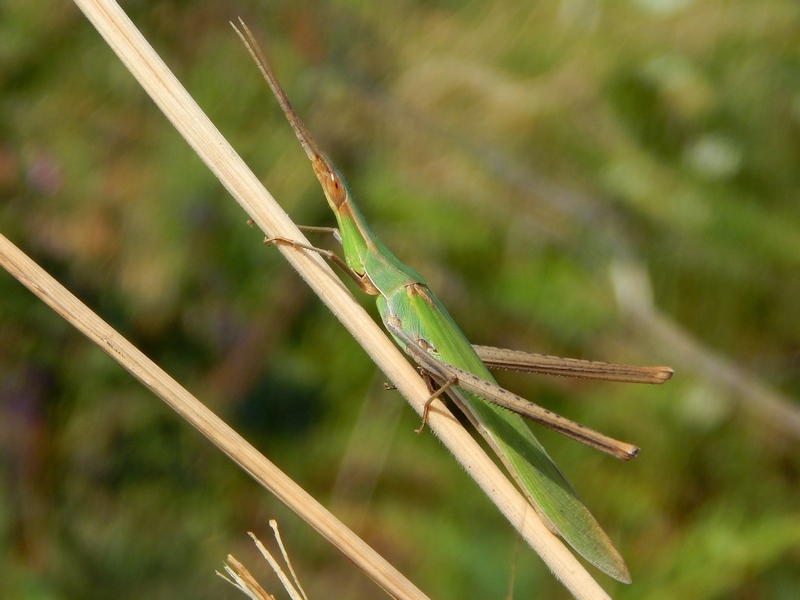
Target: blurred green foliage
(511,152)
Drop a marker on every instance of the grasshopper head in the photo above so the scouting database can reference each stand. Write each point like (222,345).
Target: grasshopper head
(332,183)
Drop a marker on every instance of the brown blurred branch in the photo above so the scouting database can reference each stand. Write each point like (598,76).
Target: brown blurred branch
(632,287)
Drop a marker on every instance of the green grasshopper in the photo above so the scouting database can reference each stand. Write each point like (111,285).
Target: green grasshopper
(421,325)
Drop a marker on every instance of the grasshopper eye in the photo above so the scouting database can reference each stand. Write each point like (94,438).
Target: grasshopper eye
(334,187)
(331,181)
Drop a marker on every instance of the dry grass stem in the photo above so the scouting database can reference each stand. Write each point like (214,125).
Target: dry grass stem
(274,525)
(240,578)
(297,593)
(200,417)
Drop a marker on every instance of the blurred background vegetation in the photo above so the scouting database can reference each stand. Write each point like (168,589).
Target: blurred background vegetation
(551,167)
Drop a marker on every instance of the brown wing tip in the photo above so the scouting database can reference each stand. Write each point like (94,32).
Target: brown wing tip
(632,452)
(662,374)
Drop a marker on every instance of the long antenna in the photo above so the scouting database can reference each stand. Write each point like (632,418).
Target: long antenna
(299,128)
